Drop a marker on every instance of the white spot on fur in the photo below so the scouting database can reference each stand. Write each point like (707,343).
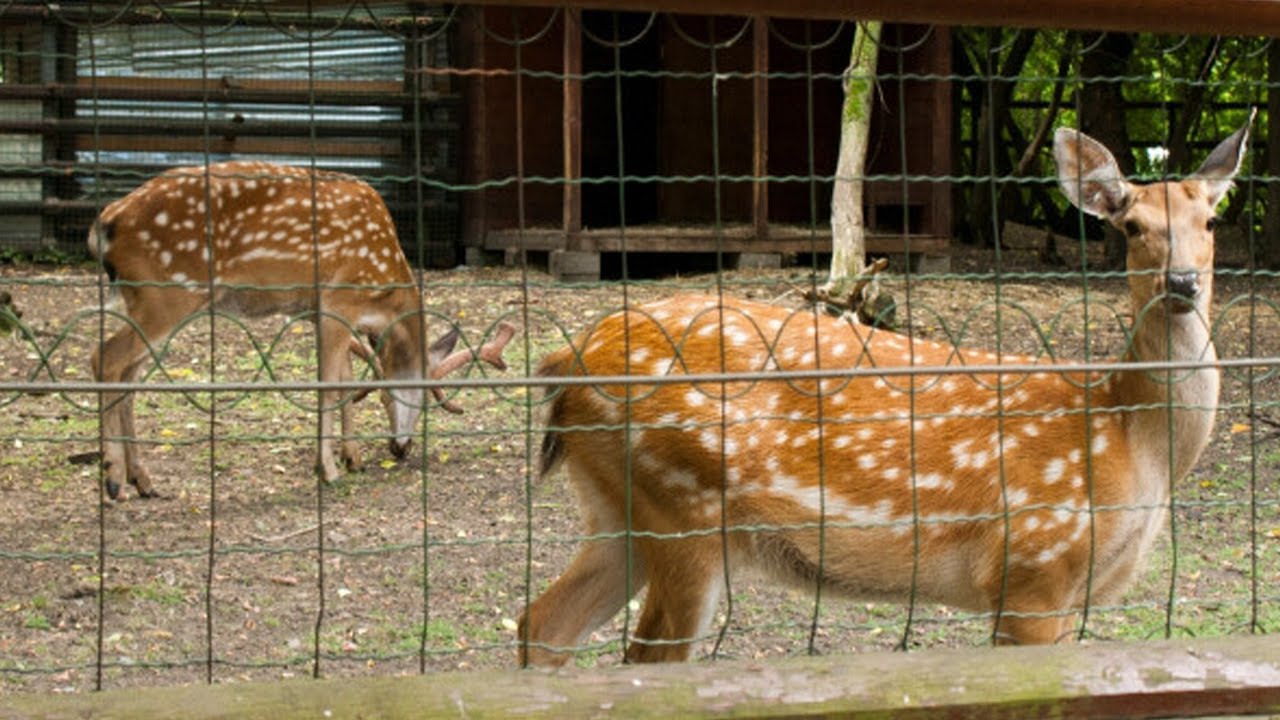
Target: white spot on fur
(1100,443)
(1054,470)
(930,481)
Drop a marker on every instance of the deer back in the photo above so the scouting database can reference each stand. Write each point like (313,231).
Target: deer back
(263,236)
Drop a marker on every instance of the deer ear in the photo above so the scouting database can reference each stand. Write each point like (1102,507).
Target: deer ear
(1088,174)
(441,348)
(1220,168)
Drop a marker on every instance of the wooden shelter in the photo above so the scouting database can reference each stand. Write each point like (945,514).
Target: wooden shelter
(592,133)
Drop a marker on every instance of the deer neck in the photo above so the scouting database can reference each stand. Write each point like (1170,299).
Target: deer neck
(1174,409)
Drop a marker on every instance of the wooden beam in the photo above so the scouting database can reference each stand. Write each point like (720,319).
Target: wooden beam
(1198,17)
(1181,678)
(700,239)
(252,145)
(215,125)
(234,91)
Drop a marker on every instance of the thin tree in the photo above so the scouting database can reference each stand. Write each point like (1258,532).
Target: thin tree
(848,227)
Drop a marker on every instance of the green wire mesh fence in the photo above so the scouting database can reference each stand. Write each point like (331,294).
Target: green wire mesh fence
(544,168)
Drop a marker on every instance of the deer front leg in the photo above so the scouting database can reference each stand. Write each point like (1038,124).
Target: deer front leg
(350,449)
(686,581)
(590,592)
(335,366)
(1038,606)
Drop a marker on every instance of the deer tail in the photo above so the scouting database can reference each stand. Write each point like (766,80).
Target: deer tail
(557,364)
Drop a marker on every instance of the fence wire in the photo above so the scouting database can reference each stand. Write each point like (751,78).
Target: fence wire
(513,148)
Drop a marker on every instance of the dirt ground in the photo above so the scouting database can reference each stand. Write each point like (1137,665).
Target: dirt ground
(248,568)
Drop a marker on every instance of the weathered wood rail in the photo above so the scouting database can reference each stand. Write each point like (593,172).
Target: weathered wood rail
(1198,17)
(1179,678)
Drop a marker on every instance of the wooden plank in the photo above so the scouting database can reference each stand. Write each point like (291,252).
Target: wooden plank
(1182,678)
(215,125)
(290,92)
(780,239)
(218,86)
(263,146)
(1199,17)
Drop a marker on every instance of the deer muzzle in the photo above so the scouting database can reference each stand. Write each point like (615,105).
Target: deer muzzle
(1181,290)
(400,448)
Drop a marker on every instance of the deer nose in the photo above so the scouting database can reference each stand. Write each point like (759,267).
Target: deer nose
(400,449)
(1183,284)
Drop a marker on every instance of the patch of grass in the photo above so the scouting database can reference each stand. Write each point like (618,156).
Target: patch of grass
(36,621)
(157,593)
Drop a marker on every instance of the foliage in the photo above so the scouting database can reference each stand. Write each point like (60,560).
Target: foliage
(1179,97)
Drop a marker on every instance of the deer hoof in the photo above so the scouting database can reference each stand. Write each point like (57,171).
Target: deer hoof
(142,484)
(351,459)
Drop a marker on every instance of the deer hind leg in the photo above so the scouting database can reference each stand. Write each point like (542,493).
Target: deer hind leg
(118,360)
(686,581)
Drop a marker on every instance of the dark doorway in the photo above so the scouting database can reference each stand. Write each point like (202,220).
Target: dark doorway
(620,59)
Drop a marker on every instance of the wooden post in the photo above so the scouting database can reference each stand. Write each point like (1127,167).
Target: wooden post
(572,121)
(760,132)
(475,141)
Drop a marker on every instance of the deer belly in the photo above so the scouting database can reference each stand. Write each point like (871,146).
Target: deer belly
(260,300)
(869,564)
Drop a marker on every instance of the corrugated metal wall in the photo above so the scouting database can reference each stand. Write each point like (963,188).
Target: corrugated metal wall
(145,93)
(233,55)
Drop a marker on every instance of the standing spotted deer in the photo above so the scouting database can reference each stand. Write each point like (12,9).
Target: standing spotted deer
(1023,495)
(256,239)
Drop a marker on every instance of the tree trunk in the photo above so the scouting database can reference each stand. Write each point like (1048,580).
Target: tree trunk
(1194,95)
(993,160)
(1269,246)
(1102,114)
(848,230)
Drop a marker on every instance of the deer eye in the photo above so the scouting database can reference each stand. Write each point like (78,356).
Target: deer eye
(1131,228)
(1213,223)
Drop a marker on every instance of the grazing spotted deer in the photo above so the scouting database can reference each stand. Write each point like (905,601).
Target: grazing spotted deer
(256,239)
(1023,495)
